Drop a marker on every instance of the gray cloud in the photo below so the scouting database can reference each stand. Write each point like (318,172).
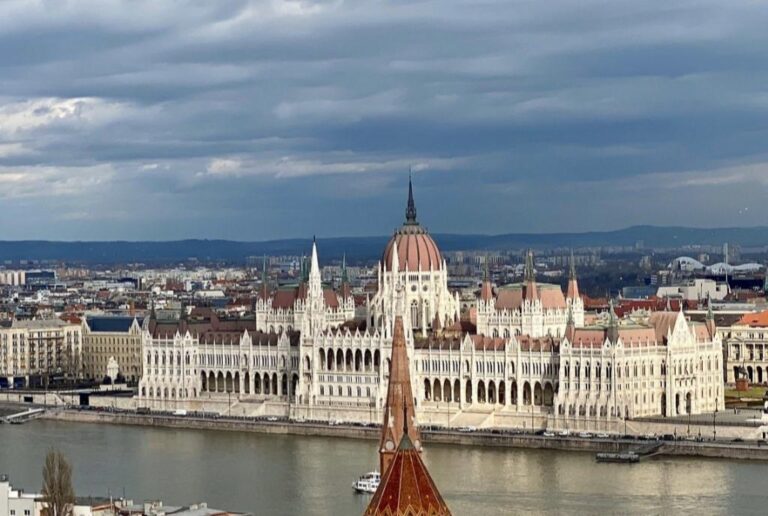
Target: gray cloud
(279,118)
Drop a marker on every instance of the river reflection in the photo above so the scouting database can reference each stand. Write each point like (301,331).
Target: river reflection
(281,475)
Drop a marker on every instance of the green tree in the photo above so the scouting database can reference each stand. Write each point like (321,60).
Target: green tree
(58,493)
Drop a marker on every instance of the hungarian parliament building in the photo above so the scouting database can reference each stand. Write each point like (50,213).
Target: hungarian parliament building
(526,356)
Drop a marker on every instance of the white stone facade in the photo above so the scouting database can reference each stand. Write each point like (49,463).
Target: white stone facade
(531,353)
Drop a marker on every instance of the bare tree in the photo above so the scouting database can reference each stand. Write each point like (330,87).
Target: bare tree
(58,493)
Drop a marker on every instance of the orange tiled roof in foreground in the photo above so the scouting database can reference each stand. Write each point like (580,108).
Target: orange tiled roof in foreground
(759,319)
(407,489)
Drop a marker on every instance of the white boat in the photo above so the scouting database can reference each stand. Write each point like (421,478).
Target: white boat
(368,483)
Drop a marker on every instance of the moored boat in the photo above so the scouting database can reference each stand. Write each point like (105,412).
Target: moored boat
(367,483)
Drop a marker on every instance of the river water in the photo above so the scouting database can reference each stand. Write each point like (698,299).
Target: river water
(285,475)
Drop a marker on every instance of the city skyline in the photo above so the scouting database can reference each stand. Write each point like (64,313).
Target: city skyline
(257,121)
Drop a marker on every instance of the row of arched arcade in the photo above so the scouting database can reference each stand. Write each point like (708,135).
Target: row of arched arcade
(257,383)
(490,392)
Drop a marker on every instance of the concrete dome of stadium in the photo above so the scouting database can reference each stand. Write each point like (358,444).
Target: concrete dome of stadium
(688,264)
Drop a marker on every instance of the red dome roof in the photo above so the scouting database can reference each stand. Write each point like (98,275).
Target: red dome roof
(414,248)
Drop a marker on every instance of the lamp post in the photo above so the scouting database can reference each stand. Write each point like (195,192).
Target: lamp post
(714,422)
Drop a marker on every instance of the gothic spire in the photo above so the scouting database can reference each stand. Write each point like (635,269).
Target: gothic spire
(710,321)
(530,275)
(486,290)
(410,210)
(399,401)
(573,283)
(613,325)
(531,294)
(264,279)
(344,277)
(314,277)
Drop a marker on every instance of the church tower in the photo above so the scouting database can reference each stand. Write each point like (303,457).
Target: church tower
(399,401)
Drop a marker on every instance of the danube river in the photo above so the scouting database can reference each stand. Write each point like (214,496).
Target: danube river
(283,475)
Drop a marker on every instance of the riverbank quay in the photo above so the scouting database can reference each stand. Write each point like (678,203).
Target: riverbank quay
(488,438)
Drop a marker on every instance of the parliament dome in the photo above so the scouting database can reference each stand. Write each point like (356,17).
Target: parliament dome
(415,248)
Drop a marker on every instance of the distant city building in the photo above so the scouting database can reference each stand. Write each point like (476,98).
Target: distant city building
(14,278)
(40,278)
(15,502)
(698,289)
(31,350)
(746,345)
(108,337)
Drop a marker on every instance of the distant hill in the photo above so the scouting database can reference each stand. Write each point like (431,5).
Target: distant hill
(363,248)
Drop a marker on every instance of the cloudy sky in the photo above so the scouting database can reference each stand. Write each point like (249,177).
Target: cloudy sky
(282,118)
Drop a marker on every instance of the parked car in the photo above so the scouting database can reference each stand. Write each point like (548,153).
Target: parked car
(564,433)
(548,433)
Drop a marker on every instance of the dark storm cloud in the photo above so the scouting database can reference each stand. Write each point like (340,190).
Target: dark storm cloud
(279,118)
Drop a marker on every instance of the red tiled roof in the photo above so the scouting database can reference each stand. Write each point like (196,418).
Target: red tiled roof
(407,488)
(757,320)
(511,297)
(482,342)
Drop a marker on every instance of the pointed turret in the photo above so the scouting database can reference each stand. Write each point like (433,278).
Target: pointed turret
(346,290)
(264,289)
(410,209)
(531,292)
(314,277)
(486,291)
(399,401)
(711,326)
(613,325)
(573,283)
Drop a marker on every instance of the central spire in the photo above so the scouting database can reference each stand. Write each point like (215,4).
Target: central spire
(410,210)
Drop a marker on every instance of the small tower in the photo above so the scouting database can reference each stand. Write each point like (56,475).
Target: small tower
(710,322)
(531,293)
(573,284)
(345,289)
(264,289)
(613,325)
(486,291)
